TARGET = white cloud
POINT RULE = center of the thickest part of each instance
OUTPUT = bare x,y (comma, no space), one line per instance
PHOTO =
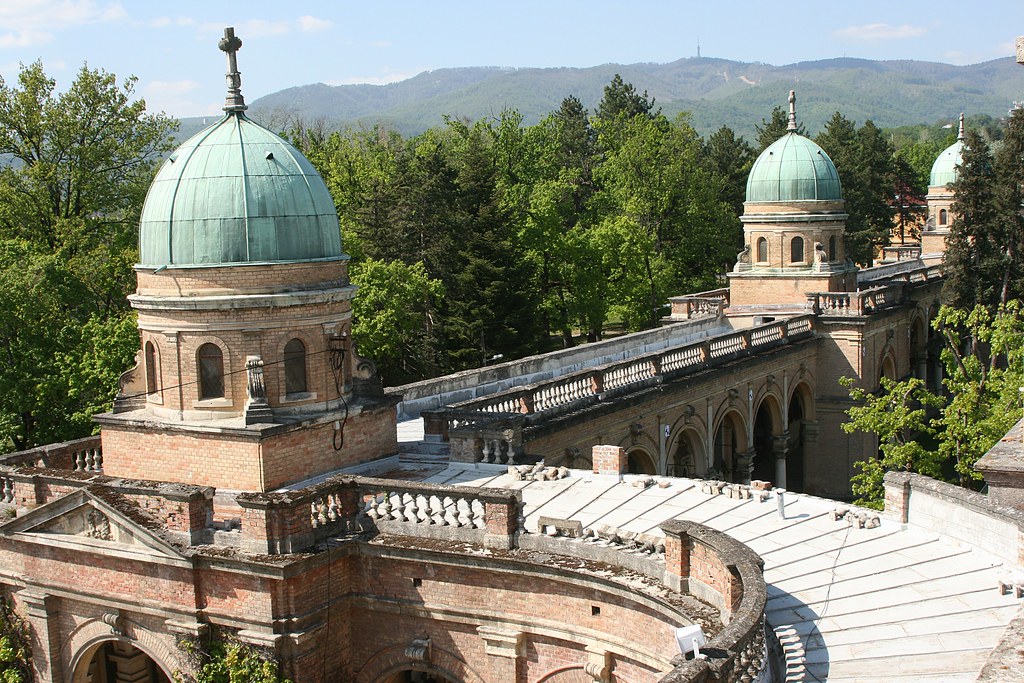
25,38
876,32
32,22
310,24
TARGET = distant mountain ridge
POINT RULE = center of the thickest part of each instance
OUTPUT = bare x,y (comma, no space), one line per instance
714,91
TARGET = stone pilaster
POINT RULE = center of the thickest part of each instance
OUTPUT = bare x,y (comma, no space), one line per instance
41,614
503,647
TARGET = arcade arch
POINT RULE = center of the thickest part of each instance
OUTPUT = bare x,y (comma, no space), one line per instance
118,661
688,455
639,461
730,447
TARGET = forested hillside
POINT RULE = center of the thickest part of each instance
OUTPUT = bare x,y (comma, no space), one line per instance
715,91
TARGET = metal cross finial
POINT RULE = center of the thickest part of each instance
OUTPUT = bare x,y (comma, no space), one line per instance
960,133
230,45
792,110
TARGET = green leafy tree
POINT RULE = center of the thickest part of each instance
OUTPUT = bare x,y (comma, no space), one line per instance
974,258
897,414
393,316
664,228
984,360
70,198
15,647
730,158
984,370
774,127
864,160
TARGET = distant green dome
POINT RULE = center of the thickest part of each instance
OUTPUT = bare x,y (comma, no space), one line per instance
793,169
236,193
944,169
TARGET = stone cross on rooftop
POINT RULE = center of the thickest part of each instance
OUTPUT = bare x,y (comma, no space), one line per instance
230,45
792,110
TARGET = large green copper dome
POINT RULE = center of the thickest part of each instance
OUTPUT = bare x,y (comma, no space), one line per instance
944,169
237,193
793,169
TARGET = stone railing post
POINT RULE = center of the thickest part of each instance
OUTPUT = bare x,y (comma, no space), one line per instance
501,522
435,425
677,555
897,496
609,460
275,525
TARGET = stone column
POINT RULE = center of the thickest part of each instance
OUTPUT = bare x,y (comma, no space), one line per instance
41,614
132,665
780,448
744,466
504,652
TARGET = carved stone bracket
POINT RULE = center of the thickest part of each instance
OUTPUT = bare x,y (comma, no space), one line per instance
419,650
599,666
115,621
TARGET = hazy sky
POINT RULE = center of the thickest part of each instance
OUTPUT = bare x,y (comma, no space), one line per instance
172,46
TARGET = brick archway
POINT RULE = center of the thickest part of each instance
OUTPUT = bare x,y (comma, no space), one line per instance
83,642
567,675
392,660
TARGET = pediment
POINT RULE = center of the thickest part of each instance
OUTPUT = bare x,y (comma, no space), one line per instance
84,519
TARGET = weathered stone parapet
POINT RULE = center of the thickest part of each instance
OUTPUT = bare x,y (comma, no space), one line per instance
719,569
1003,469
923,502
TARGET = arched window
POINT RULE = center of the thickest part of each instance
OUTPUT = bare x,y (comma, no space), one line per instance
294,367
762,250
211,372
796,250
151,369
943,216
832,248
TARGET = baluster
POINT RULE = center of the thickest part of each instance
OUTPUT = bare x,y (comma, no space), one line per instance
8,492
396,507
465,515
409,507
422,509
478,514
332,507
371,508
321,512
385,506
79,459
450,512
488,453
436,511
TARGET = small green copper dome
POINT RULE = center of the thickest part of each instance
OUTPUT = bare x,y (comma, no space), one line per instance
237,193
944,169
793,169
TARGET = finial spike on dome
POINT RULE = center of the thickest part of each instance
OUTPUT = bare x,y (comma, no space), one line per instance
792,111
230,45
960,134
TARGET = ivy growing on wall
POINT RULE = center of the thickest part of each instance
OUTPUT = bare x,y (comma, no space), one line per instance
222,658
15,649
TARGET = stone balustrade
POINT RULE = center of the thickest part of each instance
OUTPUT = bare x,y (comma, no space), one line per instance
701,304
489,430
862,302
278,523
80,455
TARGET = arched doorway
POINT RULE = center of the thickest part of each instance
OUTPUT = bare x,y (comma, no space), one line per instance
798,411
688,459
730,443
118,661
767,426
414,676
639,461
